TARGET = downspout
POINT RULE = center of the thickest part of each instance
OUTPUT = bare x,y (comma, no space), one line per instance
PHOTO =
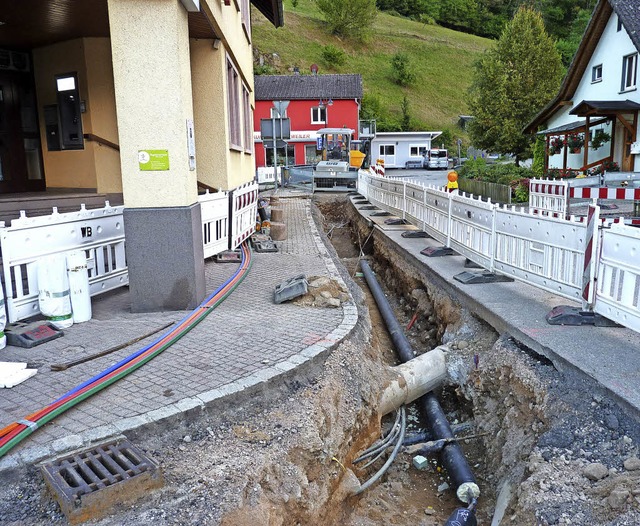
451,455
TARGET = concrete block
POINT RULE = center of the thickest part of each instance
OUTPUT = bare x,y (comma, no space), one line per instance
420,462
291,288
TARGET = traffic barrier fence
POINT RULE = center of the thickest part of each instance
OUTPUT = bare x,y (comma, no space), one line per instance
552,253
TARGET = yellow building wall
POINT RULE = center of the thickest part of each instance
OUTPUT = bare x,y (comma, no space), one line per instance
240,166
101,108
69,168
152,75
210,126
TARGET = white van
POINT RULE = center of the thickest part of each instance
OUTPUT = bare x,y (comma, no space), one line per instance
436,159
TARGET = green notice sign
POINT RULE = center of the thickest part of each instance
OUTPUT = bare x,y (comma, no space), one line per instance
153,160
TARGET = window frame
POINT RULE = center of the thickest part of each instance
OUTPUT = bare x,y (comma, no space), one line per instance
233,103
626,61
320,111
594,70
418,147
245,12
248,119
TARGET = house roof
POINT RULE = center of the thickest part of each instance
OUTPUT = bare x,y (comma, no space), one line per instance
575,125
629,13
602,107
299,87
272,9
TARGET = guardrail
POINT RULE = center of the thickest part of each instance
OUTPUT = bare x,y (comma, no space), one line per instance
99,232
552,253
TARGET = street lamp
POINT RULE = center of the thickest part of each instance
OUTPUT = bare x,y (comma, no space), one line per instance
322,104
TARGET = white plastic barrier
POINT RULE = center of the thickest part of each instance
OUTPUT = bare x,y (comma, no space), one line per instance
214,209
437,214
544,251
244,208
549,196
79,289
414,195
618,285
99,232
471,229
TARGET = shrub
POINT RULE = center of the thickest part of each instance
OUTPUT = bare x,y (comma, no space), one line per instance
401,71
333,55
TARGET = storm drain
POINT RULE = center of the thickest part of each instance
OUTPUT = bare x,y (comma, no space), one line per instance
89,484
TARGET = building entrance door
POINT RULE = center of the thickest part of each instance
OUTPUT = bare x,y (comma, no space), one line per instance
20,158
627,158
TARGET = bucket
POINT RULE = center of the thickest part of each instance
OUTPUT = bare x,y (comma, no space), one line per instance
53,291
356,158
79,286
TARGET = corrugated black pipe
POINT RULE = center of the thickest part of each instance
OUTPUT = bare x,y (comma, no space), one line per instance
451,456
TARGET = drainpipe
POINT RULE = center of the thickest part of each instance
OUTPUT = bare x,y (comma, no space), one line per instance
451,455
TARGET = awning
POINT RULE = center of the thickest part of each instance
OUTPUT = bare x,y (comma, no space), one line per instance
572,126
604,107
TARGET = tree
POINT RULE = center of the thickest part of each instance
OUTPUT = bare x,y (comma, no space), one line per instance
348,19
511,84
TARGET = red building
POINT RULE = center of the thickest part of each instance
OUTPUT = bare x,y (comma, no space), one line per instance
315,102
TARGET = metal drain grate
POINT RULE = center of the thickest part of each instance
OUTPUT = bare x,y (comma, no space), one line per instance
89,483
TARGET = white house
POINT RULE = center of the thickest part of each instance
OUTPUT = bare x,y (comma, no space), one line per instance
598,101
401,149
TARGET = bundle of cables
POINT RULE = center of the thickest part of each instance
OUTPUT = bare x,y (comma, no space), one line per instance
14,433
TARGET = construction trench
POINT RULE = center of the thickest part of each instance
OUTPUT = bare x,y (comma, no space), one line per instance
545,446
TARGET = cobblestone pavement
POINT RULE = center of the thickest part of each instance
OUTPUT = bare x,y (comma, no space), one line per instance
245,341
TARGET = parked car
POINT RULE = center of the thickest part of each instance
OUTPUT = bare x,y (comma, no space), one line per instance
435,159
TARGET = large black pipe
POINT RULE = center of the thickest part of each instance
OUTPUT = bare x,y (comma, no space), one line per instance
451,455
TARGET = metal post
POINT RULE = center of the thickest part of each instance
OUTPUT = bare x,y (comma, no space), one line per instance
275,154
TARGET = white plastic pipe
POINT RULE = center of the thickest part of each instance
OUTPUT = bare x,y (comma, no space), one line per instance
413,379
53,291
3,320
79,286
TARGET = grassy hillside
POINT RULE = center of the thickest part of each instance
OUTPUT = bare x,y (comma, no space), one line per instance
442,60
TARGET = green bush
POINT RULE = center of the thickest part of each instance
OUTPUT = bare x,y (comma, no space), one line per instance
333,55
401,70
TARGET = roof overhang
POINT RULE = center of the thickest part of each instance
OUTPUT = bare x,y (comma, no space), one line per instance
272,10
575,126
29,24
604,107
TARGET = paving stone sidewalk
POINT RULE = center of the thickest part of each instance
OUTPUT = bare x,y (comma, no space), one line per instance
246,341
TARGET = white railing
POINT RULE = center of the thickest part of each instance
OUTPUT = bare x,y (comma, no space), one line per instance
214,209
99,232
244,207
555,254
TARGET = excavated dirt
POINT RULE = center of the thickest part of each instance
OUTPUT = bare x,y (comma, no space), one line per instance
547,447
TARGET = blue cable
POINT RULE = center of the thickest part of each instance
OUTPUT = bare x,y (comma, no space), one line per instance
133,356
